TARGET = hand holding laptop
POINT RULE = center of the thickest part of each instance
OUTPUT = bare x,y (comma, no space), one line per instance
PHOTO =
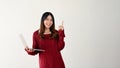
26,47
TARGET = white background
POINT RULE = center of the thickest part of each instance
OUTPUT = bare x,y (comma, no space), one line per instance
92,29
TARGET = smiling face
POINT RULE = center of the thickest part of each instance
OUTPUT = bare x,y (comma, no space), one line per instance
48,22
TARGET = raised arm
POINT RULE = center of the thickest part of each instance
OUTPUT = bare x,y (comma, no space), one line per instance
61,42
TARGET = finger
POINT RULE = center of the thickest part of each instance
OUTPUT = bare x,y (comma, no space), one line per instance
30,50
26,48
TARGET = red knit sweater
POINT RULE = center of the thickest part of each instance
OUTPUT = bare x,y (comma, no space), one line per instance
51,57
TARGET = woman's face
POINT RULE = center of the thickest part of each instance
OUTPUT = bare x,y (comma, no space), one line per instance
48,22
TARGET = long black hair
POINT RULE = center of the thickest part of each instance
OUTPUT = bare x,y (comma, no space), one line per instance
54,33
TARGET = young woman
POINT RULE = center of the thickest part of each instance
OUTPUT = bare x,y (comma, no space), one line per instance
50,40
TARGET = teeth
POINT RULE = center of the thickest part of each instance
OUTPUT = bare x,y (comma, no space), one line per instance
48,25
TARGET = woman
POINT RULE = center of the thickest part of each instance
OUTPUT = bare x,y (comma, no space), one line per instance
49,39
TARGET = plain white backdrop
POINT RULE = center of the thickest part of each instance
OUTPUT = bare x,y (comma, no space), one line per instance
92,29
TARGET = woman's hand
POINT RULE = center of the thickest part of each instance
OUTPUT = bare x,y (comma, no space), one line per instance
29,49
61,27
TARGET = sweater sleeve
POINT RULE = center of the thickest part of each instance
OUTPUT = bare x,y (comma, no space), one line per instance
34,45
61,42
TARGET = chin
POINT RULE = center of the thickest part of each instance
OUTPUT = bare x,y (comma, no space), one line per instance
47,27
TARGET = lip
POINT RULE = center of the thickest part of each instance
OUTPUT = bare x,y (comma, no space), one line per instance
48,24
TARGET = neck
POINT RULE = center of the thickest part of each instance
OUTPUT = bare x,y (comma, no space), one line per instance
47,31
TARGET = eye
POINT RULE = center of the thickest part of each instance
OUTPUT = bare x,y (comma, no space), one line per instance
47,19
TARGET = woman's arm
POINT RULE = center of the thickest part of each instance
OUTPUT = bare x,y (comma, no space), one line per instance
61,42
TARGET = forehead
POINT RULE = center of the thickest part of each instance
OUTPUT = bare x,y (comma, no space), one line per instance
49,16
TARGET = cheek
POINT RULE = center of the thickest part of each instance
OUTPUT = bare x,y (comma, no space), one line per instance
45,23
48,22
51,23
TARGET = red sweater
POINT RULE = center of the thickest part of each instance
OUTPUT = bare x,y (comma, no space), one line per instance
51,57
